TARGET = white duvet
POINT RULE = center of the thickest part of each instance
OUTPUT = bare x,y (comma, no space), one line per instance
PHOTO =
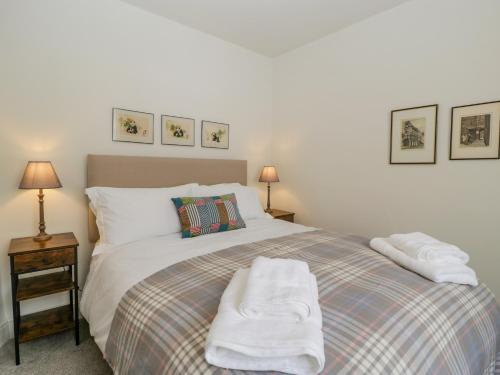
115,269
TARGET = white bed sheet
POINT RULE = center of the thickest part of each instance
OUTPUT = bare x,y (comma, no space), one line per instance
115,269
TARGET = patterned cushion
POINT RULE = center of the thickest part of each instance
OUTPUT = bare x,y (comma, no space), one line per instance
204,215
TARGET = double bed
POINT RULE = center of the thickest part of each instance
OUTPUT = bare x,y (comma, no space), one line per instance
150,303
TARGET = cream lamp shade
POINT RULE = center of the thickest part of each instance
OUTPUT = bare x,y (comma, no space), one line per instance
269,174
40,175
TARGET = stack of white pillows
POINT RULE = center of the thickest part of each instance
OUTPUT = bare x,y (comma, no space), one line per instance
129,214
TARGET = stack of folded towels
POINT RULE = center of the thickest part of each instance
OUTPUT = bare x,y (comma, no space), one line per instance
437,261
269,319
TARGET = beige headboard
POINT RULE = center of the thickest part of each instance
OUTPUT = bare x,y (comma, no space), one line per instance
142,171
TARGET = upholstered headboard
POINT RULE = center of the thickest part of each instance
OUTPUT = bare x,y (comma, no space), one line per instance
142,171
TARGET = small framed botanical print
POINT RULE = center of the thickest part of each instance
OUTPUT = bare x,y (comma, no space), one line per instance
133,126
214,135
413,135
177,130
475,131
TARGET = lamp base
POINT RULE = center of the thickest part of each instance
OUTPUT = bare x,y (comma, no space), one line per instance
268,210
42,237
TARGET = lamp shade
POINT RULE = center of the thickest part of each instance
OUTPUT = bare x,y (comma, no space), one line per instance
269,174
40,175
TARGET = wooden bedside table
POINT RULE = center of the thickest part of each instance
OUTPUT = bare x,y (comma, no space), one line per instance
282,215
27,255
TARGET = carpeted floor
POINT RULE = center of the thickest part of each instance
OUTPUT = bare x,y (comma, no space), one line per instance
55,355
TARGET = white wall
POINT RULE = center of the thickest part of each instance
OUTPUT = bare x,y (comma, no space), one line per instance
332,103
65,64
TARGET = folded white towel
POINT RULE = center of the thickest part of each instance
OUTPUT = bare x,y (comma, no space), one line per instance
424,247
240,343
277,288
440,272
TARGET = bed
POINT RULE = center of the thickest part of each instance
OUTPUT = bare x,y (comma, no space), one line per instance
149,303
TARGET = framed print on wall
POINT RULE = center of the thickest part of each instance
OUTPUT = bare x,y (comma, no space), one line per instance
475,131
133,126
414,135
214,135
177,130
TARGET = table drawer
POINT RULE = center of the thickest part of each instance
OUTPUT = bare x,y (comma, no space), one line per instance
287,218
44,260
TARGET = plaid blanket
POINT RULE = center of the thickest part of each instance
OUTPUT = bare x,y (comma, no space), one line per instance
378,317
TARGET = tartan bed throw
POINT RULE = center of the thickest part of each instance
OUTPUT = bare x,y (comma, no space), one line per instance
378,318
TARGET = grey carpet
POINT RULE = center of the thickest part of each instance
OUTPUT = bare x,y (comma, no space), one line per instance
55,355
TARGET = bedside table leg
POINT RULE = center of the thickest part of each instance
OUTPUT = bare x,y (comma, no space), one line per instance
15,310
71,291
77,312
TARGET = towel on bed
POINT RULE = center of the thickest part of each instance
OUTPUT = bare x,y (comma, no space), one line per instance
237,342
277,288
439,272
424,247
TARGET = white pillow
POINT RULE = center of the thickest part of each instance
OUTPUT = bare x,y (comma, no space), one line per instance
129,214
247,198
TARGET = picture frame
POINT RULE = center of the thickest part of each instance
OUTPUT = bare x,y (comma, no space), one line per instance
214,135
413,138
177,131
475,131
132,126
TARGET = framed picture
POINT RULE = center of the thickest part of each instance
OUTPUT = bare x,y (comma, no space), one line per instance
413,135
214,135
133,126
177,131
475,131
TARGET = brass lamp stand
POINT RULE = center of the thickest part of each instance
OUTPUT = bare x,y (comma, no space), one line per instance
41,236
268,209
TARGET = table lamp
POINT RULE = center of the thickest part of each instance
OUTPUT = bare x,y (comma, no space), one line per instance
40,175
269,175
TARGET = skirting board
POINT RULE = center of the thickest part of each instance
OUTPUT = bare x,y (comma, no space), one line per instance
6,332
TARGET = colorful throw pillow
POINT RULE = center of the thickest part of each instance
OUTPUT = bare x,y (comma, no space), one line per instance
204,215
